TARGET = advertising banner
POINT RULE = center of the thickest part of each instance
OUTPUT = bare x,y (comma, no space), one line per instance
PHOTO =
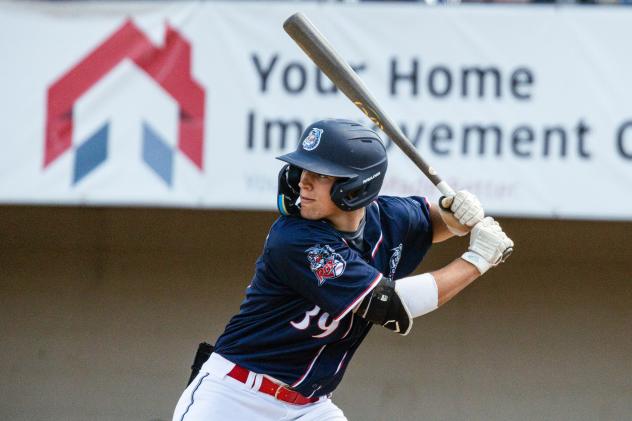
187,104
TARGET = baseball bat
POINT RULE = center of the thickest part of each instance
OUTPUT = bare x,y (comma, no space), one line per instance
316,46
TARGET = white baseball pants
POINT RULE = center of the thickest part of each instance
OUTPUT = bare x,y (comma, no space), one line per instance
214,396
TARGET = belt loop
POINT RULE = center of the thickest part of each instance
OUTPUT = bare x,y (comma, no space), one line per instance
258,379
250,381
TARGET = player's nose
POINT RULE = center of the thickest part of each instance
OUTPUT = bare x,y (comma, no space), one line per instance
305,181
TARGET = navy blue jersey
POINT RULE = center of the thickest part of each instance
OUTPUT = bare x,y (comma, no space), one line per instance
296,323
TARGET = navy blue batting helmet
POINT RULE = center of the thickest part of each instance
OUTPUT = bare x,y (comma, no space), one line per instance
344,149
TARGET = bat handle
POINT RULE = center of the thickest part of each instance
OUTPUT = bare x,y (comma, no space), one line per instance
445,203
448,195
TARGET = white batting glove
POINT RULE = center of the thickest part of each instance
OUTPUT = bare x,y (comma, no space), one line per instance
465,211
489,245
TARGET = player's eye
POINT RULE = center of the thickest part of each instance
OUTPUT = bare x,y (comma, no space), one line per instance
323,176
319,177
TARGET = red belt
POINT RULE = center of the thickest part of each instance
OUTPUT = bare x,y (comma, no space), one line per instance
281,393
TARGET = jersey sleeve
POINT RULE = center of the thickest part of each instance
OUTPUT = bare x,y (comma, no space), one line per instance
410,218
420,225
324,270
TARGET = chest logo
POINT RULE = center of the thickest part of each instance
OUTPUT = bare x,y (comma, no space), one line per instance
325,263
313,139
397,254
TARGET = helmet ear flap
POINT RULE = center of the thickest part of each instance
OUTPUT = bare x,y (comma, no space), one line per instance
293,178
354,193
346,193
288,190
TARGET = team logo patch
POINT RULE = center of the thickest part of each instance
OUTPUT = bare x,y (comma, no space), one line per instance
313,139
325,263
397,254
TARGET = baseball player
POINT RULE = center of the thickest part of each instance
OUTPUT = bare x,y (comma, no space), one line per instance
335,263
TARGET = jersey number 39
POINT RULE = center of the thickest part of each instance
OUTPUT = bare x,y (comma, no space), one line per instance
322,322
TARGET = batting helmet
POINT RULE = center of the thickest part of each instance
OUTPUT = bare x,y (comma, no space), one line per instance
343,149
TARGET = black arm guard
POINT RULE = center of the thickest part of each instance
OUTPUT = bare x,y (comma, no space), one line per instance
288,190
384,307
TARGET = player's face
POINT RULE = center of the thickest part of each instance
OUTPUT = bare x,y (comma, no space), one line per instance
316,200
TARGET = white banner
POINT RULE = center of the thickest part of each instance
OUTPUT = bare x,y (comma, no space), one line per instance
187,104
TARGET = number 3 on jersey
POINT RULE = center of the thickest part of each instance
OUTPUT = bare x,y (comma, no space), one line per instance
322,322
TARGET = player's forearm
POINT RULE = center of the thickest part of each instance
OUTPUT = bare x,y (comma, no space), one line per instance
421,294
440,231
453,278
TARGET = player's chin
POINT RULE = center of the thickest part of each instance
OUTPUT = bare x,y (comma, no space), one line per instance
311,214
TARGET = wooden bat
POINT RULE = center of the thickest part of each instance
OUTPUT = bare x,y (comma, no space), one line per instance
316,46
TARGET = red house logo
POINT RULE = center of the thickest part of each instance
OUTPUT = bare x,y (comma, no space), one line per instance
169,66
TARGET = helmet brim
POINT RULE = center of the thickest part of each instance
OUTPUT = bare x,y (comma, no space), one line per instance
316,165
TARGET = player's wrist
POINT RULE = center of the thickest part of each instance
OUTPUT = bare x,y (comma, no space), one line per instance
489,245
477,260
452,224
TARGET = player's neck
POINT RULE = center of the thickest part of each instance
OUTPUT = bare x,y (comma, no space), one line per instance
347,221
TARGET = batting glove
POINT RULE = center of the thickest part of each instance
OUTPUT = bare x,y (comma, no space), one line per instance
461,212
489,245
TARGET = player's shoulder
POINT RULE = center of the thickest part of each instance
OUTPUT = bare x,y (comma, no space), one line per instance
395,204
293,231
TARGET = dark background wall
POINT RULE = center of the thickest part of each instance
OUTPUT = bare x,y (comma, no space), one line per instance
101,310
